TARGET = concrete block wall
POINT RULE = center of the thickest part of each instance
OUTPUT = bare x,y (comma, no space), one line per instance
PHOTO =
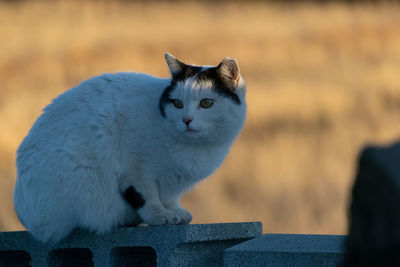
180,245
287,250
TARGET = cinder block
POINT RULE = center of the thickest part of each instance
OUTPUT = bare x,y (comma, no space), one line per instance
287,250
175,245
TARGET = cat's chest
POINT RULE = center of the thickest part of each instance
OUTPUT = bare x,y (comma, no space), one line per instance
196,163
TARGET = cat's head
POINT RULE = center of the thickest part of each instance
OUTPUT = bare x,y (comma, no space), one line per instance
204,103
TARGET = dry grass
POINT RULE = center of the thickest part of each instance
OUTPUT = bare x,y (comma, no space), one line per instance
322,81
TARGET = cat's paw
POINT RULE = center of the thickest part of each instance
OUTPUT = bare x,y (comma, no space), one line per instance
161,217
169,217
184,216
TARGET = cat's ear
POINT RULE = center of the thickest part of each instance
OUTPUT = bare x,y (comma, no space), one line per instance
175,66
228,70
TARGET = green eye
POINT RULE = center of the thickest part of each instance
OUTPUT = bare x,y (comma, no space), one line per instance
177,103
206,103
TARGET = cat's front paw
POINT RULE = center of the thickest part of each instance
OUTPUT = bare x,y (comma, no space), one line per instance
161,217
184,215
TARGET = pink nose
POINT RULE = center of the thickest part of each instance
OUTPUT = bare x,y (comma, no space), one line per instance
187,121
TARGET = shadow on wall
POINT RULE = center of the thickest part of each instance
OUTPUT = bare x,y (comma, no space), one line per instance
374,215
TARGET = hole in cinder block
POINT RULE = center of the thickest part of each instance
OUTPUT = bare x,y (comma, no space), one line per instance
17,258
69,257
133,256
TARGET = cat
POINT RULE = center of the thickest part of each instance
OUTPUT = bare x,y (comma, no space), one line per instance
120,149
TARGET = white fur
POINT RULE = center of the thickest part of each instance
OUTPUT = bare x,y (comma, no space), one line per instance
107,134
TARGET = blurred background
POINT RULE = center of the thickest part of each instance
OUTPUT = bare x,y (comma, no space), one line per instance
323,81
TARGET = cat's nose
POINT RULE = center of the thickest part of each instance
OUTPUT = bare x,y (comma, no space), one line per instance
187,120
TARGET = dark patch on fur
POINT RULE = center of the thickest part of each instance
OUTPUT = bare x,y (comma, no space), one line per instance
134,198
188,72
222,86
165,97
106,78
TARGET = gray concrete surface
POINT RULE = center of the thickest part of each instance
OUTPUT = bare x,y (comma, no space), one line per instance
178,245
287,250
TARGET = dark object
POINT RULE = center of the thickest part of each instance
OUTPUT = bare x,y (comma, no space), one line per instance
374,215
70,257
134,198
133,256
15,258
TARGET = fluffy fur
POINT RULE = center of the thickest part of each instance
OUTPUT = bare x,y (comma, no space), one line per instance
109,134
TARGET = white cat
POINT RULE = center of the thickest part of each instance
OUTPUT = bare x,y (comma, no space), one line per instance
120,149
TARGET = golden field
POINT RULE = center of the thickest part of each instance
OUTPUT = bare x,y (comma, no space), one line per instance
323,81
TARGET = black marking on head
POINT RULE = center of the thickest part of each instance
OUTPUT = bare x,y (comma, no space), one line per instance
165,97
186,73
224,78
134,198
180,70
221,85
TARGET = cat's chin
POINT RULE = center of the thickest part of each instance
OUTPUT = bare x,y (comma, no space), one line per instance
191,131
192,135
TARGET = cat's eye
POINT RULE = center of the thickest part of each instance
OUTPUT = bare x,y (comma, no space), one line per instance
177,103
206,103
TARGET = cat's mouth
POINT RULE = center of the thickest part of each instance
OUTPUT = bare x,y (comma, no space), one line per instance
190,130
